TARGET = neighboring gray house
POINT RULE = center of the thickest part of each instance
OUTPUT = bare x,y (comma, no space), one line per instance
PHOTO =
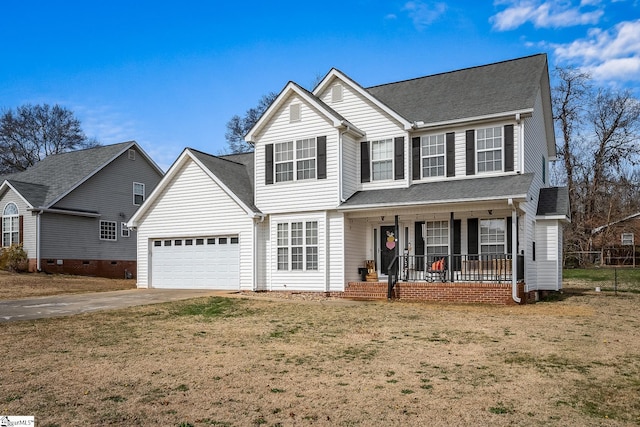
70,210
446,169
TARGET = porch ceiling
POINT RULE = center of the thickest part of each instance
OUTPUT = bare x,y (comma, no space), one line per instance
474,189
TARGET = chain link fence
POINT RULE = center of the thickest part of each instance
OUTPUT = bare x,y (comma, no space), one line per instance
603,279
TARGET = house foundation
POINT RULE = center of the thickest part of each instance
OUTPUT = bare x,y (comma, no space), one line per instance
112,269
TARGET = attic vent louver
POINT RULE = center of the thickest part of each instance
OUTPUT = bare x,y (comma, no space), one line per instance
336,93
294,113
132,154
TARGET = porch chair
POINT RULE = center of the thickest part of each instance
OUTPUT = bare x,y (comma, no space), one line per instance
437,271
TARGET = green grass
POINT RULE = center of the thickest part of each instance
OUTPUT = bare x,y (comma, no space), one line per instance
628,279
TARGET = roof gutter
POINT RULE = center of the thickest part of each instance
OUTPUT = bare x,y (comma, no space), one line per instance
509,114
519,198
65,212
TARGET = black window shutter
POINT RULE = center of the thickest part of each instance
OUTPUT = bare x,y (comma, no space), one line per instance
365,167
419,244
457,243
451,154
508,148
415,158
268,164
509,234
399,157
322,157
471,152
472,236
21,229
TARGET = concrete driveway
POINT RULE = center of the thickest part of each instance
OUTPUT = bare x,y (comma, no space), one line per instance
67,305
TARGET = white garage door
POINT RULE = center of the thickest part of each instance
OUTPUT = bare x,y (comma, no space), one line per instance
196,263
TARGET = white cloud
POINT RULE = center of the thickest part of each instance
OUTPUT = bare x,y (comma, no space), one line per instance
613,54
423,13
104,124
545,14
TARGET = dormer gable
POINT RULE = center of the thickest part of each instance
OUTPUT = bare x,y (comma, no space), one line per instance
293,89
336,79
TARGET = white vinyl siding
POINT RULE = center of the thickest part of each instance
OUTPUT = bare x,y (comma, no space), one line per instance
378,126
304,194
549,255
211,215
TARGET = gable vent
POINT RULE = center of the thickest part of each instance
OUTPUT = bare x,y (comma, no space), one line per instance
336,93
132,154
294,113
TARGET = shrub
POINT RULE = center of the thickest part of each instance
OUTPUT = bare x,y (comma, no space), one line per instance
14,258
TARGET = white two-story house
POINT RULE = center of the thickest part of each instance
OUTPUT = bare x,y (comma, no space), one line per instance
451,167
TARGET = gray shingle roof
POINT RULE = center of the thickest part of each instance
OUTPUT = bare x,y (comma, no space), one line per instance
476,188
234,170
471,92
553,201
47,180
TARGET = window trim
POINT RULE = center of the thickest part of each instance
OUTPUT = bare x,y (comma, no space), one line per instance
424,156
443,225
487,150
296,160
389,159
103,223
13,232
503,243
139,185
297,246
627,239
124,230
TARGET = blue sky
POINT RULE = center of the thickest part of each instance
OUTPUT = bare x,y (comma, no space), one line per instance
171,74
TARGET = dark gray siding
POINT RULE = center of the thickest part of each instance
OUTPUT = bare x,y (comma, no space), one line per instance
109,193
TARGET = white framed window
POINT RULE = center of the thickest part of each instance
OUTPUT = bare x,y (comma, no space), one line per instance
124,230
436,237
283,159
306,158
10,225
299,162
433,152
493,236
108,230
294,113
138,193
283,246
627,239
489,149
300,240
382,159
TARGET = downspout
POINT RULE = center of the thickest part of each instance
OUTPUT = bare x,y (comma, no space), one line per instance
38,263
255,250
514,253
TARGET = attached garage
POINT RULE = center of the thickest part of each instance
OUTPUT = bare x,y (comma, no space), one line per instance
211,262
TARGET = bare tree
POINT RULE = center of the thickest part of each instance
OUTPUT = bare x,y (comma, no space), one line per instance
238,126
34,132
599,151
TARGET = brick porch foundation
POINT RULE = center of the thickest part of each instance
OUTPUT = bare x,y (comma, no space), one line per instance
485,293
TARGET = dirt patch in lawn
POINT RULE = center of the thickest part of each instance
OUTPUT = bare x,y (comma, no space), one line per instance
257,360
28,285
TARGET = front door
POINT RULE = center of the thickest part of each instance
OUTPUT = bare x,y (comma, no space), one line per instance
388,244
